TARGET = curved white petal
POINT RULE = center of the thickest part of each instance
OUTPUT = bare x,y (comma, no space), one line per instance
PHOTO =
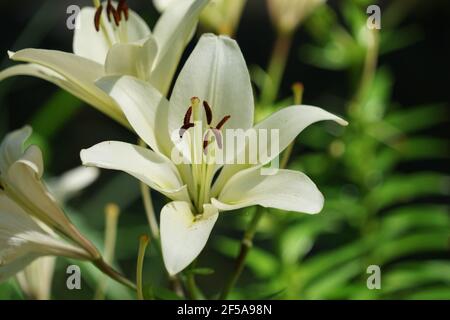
93,45
11,148
286,190
78,73
133,59
173,31
289,123
73,181
183,236
30,69
22,240
146,165
215,72
145,108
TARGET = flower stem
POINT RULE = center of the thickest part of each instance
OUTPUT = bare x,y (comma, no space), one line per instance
112,212
148,205
246,245
143,243
276,68
113,274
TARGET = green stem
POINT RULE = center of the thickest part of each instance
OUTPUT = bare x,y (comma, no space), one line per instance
148,205
277,66
246,245
112,212
143,243
113,274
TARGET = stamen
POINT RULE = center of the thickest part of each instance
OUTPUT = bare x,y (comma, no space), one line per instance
184,128
109,9
116,16
122,7
187,116
222,122
208,112
97,17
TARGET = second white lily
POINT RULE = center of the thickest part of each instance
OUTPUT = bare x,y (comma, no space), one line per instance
122,45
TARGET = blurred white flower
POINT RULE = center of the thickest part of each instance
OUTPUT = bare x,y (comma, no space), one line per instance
216,72
22,240
36,279
287,15
112,40
29,214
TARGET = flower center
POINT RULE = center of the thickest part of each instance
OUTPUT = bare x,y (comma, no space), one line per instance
116,17
205,139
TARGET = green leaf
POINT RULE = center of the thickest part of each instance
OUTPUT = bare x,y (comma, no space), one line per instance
262,263
404,188
200,271
417,118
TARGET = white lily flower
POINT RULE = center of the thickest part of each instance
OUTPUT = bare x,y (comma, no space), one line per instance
21,180
112,40
36,279
216,73
288,14
23,239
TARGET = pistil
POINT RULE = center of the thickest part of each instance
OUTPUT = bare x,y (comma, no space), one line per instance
202,151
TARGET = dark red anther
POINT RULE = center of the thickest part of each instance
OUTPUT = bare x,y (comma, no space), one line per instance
187,116
109,9
116,16
184,128
122,7
222,122
98,15
208,112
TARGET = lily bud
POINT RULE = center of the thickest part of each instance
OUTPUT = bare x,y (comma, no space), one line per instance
29,213
287,15
24,239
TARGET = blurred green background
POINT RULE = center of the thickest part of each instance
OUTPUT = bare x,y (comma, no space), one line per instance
384,177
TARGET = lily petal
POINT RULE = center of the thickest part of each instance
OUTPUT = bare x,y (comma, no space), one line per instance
286,190
215,72
290,122
144,107
78,75
11,149
72,182
146,165
133,59
22,240
173,31
183,236
93,45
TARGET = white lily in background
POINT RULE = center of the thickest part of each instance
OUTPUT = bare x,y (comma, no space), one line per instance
112,40
221,16
22,240
29,214
287,15
36,279
217,74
